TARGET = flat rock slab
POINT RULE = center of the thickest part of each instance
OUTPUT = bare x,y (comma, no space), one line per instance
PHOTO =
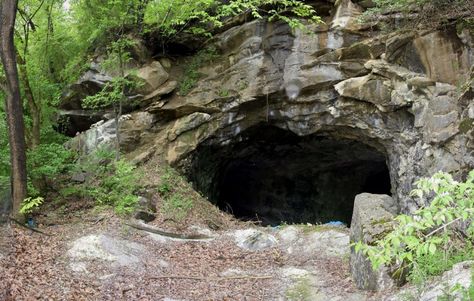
254,240
320,240
106,248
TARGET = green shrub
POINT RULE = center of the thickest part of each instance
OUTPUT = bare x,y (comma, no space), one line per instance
427,241
49,160
108,182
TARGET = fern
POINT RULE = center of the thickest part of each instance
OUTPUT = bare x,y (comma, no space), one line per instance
30,204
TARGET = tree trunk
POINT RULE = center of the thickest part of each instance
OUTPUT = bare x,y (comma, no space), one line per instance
33,107
14,109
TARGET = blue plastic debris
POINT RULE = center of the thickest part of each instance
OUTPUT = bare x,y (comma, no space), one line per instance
336,223
31,222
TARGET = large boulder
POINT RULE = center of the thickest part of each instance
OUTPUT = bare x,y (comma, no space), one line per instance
103,134
151,77
371,219
73,117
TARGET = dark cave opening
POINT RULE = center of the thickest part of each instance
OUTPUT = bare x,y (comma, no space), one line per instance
275,176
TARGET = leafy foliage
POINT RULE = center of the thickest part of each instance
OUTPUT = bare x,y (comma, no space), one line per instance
435,264
108,182
174,16
439,229
48,161
111,94
30,204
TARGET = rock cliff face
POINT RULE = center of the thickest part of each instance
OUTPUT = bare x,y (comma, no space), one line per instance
405,96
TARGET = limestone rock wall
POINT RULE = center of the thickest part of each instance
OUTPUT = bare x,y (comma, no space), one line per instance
404,93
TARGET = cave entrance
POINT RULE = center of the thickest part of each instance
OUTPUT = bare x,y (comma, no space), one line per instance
275,176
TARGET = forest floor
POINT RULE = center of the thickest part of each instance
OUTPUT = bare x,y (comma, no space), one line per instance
96,256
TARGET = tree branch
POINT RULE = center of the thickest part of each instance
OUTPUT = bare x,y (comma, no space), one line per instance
443,226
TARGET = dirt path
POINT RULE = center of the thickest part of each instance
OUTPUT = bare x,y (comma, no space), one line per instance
111,261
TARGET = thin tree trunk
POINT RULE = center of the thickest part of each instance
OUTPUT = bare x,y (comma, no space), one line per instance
14,109
117,132
118,110
33,107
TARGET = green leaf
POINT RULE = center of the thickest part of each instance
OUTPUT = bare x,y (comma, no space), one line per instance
432,248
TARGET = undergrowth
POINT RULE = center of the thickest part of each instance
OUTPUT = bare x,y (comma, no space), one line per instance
435,237
430,265
108,182
177,202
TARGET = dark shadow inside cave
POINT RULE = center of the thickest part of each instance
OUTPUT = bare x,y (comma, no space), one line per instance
275,176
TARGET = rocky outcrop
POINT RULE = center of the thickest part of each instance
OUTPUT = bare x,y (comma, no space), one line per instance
103,134
151,80
395,92
151,77
338,82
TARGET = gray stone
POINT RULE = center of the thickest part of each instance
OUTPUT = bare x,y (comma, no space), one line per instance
102,247
145,210
421,82
151,76
79,177
103,134
368,88
307,240
165,89
371,219
187,123
254,240
460,274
